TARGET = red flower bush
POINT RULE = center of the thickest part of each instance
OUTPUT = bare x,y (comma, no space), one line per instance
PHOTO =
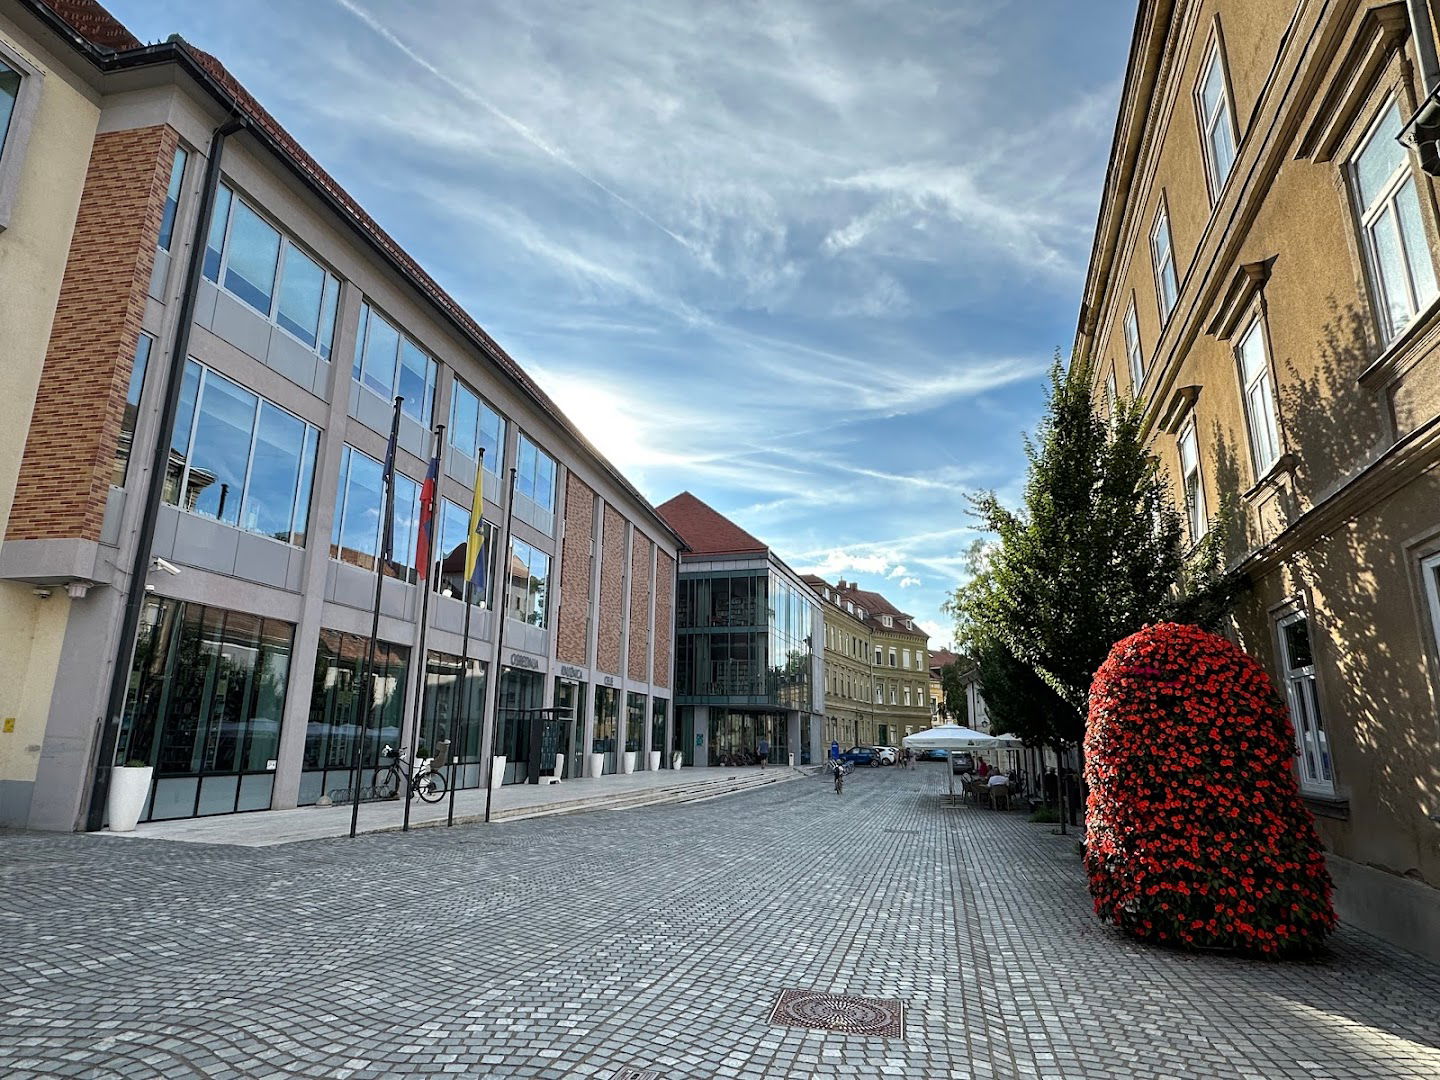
1195,834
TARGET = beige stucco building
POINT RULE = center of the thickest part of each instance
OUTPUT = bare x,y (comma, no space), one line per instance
876,667
1264,280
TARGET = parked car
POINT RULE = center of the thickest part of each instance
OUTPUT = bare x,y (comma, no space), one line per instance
862,755
962,762
888,754
932,755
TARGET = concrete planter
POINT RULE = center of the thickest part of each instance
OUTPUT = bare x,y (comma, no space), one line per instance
129,787
597,764
654,764
497,772
627,763
559,766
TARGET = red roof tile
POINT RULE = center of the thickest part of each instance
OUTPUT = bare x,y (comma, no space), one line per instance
706,531
96,25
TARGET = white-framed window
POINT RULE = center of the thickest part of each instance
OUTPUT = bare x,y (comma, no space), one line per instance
474,425
893,695
1387,200
257,264
1133,355
1191,481
1162,259
885,620
1217,119
172,198
905,658
879,695
535,474
238,458
20,85
907,695
892,657
1112,395
879,656
1258,386
390,364
1297,669
123,446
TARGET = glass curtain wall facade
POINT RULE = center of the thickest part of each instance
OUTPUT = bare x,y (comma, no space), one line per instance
735,736
607,725
454,709
342,711
521,692
206,700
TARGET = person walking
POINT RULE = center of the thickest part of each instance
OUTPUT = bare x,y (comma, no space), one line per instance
763,750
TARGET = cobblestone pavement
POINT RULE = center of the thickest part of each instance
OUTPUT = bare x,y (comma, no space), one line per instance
657,938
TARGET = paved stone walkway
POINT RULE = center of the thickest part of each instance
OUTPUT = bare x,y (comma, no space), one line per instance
658,938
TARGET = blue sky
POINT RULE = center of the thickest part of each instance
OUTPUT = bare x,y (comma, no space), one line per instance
808,259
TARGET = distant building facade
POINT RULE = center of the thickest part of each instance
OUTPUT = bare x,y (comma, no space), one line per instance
1264,281
748,660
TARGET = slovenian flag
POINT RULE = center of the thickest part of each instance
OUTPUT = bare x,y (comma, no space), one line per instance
475,540
425,542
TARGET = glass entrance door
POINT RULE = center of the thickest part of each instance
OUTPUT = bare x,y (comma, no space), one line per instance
570,695
521,692
607,726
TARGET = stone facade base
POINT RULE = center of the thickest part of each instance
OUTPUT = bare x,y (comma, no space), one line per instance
1402,912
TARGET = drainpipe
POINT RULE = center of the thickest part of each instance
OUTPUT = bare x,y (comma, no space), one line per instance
159,460
1426,121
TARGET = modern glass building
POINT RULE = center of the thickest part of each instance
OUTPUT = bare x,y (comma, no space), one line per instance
286,322
748,659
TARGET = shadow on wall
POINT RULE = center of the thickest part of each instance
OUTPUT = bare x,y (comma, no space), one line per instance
1368,613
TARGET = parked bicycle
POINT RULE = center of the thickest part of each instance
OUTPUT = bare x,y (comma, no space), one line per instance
424,779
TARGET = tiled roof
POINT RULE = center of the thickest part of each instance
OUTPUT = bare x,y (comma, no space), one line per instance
705,530
872,602
941,657
91,21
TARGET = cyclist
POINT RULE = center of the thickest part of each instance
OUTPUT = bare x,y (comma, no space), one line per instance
838,768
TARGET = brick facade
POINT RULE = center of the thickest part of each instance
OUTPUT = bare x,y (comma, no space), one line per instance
65,473
640,548
572,629
612,593
664,630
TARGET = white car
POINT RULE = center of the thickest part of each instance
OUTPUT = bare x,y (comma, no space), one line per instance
889,755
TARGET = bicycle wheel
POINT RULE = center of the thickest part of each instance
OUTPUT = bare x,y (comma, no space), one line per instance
430,786
385,782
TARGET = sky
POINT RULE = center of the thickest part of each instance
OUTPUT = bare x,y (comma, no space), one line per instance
807,259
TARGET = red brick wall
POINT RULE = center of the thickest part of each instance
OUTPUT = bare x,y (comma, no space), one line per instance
639,606
612,593
664,624
65,473
575,571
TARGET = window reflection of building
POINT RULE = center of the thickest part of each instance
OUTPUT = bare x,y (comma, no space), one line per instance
735,736
634,722
453,709
206,703
529,570
339,708
454,530
607,723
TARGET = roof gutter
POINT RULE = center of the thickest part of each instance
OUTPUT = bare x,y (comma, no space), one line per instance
175,52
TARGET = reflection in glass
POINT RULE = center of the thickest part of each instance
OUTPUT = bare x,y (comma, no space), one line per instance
454,528
391,365
172,195
535,474
253,248
222,444
454,710
474,426
607,723
529,583
206,697
360,494
215,238
634,722
302,290
9,94
521,692
658,708
340,707
125,443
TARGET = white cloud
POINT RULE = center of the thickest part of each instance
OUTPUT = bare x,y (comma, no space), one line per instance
909,581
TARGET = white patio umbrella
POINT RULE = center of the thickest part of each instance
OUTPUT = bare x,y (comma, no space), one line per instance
950,737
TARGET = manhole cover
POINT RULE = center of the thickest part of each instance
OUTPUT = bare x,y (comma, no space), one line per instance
880,1017
630,1072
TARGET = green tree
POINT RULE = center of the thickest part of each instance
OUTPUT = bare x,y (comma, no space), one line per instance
1094,553
952,690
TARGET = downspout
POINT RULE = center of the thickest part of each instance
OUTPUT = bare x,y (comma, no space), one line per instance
1426,121
159,461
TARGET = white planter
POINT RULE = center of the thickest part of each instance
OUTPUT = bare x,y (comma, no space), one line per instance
128,790
497,772
677,760
597,764
654,765
627,763
792,761
559,766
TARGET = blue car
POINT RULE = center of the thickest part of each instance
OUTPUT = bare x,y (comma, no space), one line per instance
932,755
862,755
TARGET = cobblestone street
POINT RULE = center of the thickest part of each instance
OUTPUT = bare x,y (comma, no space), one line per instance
657,938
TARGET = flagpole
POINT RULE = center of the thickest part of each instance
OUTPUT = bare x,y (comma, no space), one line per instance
427,582
387,509
465,638
500,633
